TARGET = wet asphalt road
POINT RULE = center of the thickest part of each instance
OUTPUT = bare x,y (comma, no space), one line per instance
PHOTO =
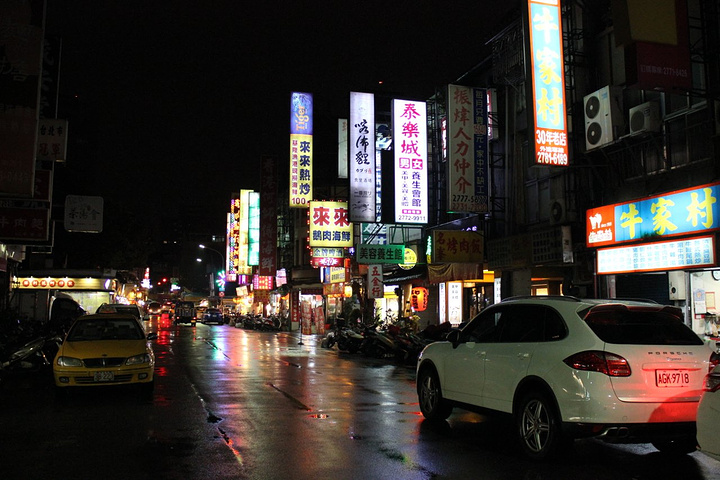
237,404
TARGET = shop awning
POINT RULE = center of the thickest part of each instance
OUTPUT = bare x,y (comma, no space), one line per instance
399,276
448,272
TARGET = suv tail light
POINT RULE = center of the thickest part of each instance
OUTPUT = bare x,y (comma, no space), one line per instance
596,361
712,382
714,361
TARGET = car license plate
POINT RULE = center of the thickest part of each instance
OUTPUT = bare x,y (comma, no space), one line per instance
104,376
672,378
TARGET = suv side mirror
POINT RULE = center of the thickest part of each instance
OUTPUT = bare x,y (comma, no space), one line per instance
454,337
151,336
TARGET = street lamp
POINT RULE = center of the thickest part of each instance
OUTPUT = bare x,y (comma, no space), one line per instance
222,257
222,266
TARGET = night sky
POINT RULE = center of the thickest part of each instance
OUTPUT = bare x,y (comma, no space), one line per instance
172,103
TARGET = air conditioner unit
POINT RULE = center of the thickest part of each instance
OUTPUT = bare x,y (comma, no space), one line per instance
676,285
602,116
558,212
645,118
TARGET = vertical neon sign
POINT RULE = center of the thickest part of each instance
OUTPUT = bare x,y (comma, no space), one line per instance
410,137
547,70
301,149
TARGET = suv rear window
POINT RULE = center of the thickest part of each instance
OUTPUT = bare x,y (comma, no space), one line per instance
628,325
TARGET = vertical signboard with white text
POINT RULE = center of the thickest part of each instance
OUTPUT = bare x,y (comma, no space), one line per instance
410,159
467,125
547,75
361,139
301,149
343,148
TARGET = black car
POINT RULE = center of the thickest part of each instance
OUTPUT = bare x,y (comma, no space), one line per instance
213,315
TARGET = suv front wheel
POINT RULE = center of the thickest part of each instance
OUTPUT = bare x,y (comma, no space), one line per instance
432,404
538,426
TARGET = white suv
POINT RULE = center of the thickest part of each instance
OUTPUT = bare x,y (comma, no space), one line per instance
565,368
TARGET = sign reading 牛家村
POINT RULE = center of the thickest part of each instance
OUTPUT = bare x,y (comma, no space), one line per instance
330,225
389,254
467,149
681,212
547,71
361,140
410,149
301,149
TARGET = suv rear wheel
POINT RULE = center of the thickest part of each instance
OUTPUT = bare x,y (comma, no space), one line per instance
432,404
538,426
680,446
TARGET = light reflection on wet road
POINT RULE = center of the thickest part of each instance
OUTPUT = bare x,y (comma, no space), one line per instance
299,411
231,403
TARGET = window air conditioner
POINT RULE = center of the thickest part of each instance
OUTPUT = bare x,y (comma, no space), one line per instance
645,118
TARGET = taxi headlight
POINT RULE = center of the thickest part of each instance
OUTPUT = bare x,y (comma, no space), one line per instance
69,362
138,359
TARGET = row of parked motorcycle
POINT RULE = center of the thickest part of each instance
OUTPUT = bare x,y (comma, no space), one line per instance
28,346
383,340
270,323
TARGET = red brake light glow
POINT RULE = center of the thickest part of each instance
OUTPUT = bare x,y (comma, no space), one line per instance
596,361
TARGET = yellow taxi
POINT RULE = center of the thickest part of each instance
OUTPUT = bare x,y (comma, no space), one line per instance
105,349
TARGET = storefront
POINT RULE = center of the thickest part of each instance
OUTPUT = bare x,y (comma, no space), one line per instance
307,310
459,300
663,248
36,293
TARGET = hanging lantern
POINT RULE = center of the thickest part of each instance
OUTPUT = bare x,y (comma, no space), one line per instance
419,298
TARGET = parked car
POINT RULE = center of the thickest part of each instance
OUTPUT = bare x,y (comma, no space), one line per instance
708,416
132,309
213,315
565,368
105,349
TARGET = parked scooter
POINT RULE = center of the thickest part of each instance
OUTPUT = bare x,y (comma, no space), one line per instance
379,344
348,340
